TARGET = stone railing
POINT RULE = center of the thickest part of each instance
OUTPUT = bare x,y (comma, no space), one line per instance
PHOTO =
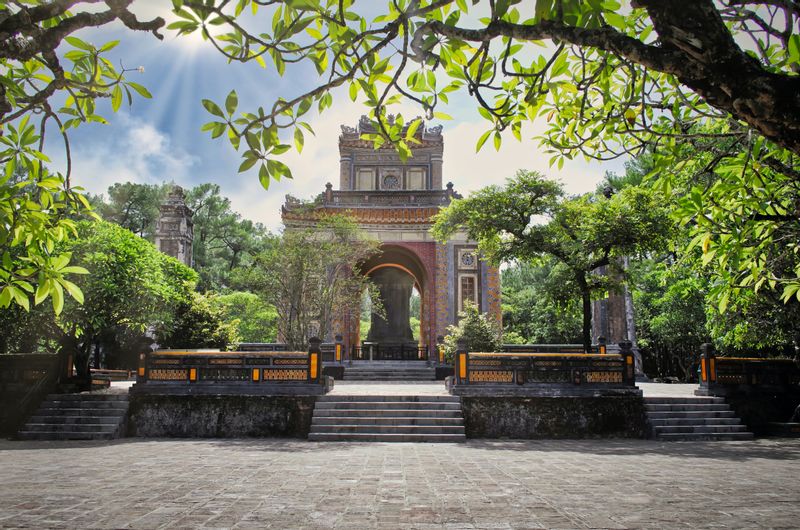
557,370
205,370
726,374
552,348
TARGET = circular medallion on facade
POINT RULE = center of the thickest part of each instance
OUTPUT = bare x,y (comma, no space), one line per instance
467,259
391,182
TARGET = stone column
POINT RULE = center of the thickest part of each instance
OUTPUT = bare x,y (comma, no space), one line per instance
436,171
345,166
395,287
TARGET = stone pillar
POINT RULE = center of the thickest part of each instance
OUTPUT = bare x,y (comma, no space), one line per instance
395,287
345,166
175,229
436,171
613,319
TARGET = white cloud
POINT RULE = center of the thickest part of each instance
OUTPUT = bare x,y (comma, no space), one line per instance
131,150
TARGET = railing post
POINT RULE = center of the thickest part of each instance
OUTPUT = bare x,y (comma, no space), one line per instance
708,365
314,356
141,373
629,373
338,348
461,362
440,348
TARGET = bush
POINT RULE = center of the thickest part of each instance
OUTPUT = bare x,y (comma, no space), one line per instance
480,333
198,324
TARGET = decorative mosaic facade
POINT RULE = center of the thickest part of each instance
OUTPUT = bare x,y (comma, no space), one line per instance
394,201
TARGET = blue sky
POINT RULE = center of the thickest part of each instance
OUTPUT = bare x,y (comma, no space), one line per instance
160,139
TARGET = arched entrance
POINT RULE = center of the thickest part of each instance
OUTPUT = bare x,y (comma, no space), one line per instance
397,272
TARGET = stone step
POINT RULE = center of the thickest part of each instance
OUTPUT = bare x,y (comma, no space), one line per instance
706,429
669,421
686,400
388,418
686,437
58,435
77,417
385,420
71,427
47,411
386,413
388,405
388,429
88,404
87,397
686,407
691,414
389,379
382,398
68,420
357,437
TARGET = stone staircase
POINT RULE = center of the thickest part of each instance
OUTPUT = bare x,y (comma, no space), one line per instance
389,371
387,419
694,418
78,417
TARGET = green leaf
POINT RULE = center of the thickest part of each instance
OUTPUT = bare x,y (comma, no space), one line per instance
140,89
78,43
108,46
57,294
482,140
263,176
231,102
299,139
212,108
116,98
73,290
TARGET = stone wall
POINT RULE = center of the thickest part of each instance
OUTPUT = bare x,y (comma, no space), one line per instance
220,416
554,417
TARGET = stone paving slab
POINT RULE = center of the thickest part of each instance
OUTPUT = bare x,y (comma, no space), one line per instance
481,484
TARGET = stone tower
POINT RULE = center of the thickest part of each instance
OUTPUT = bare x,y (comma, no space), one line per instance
175,229
394,200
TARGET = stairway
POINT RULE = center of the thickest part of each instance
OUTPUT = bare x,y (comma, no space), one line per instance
387,419
78,417
694,418
389,371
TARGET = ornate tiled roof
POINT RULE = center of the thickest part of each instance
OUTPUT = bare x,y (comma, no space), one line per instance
351,136
396,215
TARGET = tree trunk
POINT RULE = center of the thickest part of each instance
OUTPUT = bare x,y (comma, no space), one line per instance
586,298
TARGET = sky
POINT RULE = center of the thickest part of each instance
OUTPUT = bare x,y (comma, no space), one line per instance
160,139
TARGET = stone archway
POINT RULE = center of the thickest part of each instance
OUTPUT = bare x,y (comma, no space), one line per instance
396,271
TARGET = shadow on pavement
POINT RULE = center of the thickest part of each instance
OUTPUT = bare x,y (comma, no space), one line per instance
767,449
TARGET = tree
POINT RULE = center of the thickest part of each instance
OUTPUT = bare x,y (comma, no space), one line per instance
254,319
131,286
198,323
540,303
307,274
222,239
479,333
133,206
48,76
529,219
610,80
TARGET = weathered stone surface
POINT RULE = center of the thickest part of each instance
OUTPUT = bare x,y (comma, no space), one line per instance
548,417
139,483
220,416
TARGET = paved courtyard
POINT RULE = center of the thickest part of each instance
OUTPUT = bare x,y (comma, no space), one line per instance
138,483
